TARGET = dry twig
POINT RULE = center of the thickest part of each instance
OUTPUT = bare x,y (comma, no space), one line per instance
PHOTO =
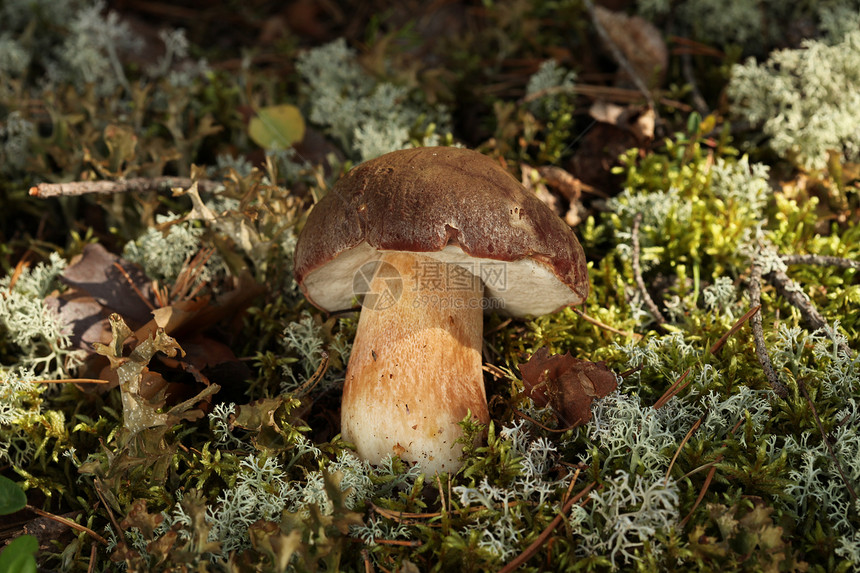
68,523
718,345
687,69
619,57
542,538
821,260
672,391
136,184
698,100
708,479
758,334
681,446
791,292
604,326
637,274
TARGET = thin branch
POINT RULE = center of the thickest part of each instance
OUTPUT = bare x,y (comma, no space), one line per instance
315,378
542,538
495,371
72,381
718,345
136,184
681,447
821,260
689,75
399,542
603,325
637,274
525,416
758,334
791,292
609,93
708,479
673,390
132,284
92,566
368,564
619,58
68,523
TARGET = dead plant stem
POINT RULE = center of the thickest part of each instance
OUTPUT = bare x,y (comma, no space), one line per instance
637,274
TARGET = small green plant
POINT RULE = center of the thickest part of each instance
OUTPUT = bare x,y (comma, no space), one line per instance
18,555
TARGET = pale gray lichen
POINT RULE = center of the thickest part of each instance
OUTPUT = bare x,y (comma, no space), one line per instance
743,186
82,43
627,429
175,64
305,339
546,85
16,134
164,254
14,58
806,100
755,24
365,116
720,296
221,426
90,53
838,20
500,531
35,329
628,514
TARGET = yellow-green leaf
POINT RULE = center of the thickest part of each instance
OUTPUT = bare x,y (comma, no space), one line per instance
277,127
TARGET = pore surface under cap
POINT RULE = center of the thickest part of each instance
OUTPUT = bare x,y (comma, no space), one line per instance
426,199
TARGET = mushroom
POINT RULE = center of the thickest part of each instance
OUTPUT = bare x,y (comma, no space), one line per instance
431,237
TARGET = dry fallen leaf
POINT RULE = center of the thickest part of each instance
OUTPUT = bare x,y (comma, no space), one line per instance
640,122
639,41
102,283
113,282
531,180
567,384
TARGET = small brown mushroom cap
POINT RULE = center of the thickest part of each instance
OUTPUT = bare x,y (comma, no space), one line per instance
455,205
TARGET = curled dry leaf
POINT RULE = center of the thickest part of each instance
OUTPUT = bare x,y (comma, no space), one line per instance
531,180
113,282
640,122
567,384
562,181
639,41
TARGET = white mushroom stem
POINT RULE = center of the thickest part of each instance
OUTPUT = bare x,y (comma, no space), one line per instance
415,369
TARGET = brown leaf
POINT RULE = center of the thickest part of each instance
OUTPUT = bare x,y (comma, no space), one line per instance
87,317
113,282
640,122
640,42
562,181
190,317
256,415
567,384
140,518
531,180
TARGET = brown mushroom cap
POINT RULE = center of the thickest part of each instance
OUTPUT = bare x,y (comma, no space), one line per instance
455,205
